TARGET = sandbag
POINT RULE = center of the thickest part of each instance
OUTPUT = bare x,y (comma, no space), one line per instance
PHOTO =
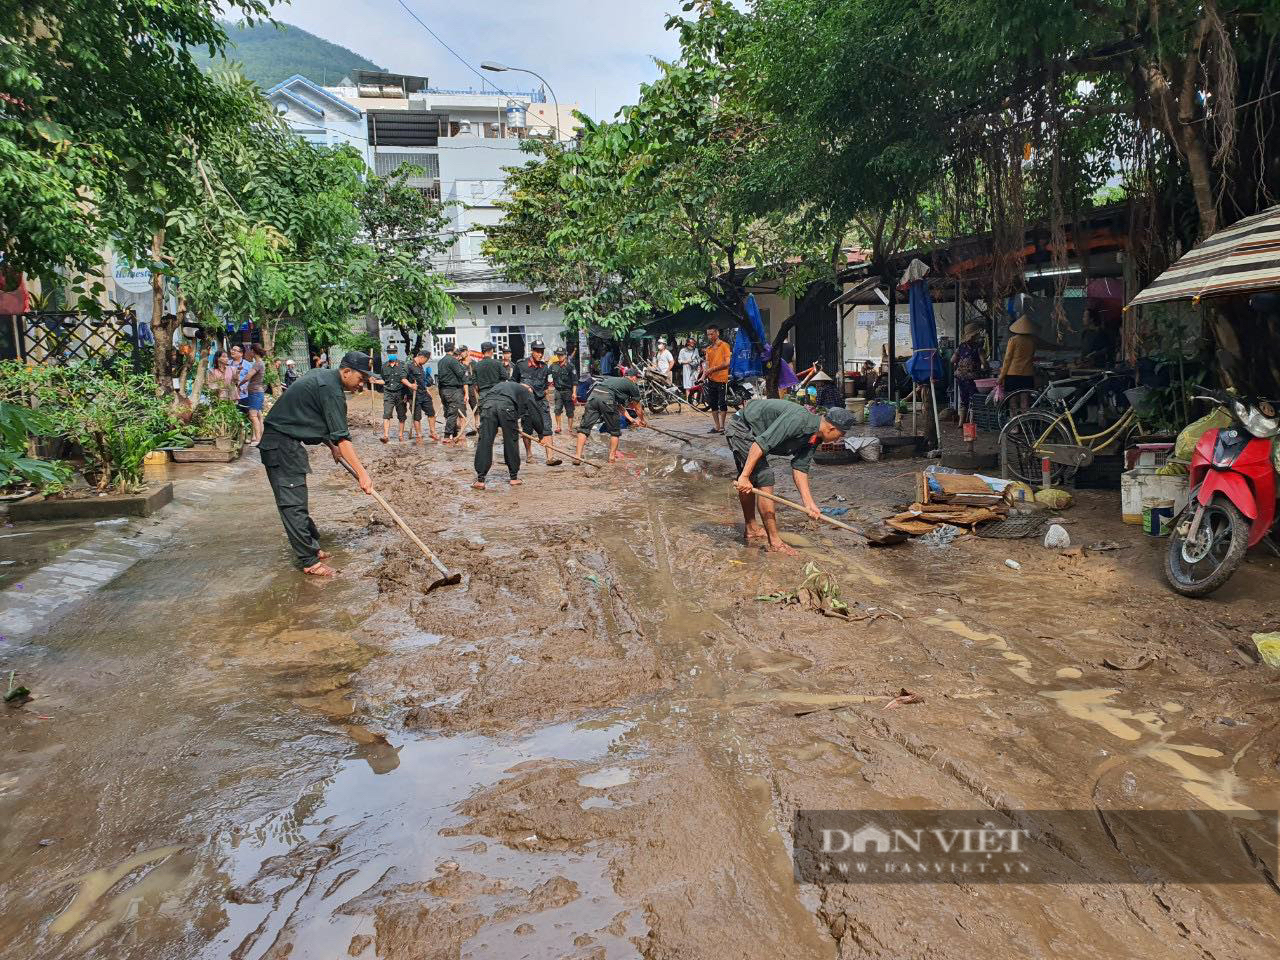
1053,498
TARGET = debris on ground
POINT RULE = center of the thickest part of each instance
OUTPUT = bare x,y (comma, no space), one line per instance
942,536
1141,663
16,695
1013,564
922,518
835,511
1103,546
1057,537
904,696
1268,645
946,485
819,591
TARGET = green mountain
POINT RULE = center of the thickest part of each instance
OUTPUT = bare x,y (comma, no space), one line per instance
270,53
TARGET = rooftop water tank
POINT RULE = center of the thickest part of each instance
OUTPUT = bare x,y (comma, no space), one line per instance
515,115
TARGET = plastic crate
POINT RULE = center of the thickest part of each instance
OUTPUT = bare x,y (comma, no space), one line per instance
988,417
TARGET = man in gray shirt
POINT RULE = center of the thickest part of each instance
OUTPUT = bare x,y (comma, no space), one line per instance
765,427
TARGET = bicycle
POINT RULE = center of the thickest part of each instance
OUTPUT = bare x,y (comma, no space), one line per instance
1030,437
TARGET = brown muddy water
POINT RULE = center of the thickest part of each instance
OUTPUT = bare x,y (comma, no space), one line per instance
594,747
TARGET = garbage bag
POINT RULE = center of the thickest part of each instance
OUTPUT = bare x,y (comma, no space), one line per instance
1185,445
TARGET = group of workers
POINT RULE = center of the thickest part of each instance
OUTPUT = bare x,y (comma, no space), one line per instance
314,411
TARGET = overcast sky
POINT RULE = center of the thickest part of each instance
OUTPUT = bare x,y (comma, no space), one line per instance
594,52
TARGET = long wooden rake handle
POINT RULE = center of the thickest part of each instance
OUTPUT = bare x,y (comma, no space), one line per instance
563,453
805,510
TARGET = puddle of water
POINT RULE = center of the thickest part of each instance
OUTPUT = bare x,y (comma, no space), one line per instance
604,778
1217,789
1017,664
1093,706
760,661
387,831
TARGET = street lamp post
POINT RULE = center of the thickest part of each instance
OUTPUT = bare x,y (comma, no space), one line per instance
503,68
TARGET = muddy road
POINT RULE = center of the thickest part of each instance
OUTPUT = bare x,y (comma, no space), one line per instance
595,746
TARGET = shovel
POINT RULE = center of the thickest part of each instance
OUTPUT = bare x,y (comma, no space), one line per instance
667,433
563,453
877,538
446,578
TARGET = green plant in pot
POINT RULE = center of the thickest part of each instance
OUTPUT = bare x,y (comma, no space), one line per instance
222,422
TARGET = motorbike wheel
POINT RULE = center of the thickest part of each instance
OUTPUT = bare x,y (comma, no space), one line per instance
656,402
1197,569
699,404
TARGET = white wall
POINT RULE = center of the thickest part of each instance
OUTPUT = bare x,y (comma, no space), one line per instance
866,330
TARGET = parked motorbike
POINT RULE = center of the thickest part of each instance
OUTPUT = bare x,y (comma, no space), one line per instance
1233,498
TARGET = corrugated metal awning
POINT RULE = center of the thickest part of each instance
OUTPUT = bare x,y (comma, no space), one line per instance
1243,258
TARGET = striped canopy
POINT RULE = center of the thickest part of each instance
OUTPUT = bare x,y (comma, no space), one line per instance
1244,258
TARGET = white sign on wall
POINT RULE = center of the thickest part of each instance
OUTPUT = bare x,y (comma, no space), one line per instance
130,278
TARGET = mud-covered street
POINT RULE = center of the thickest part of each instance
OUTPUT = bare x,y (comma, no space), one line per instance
595,745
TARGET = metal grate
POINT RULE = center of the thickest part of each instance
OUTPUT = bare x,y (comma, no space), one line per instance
385,164
1015,527
60,337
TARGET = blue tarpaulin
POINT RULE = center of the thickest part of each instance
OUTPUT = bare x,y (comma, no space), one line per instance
924,364
746,360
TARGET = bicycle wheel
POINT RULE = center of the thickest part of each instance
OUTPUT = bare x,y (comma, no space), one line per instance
1020,437
1008,411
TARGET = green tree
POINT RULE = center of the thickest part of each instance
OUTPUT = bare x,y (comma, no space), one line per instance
401,229
90,90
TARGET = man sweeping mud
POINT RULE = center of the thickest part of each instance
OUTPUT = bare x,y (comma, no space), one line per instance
610,400
765,427
504,405
313,410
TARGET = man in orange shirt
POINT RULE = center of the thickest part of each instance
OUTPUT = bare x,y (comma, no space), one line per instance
717,384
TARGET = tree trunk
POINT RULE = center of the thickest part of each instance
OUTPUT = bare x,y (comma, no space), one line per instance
159,328
202,371
269,347
1200,170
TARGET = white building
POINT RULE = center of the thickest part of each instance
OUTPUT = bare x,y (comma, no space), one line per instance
462,140
318,116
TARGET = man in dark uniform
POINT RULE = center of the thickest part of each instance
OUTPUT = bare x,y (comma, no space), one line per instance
397,392
564,379
611,398
504,405
765,427
452,380
535,373
420,374
487,371
313,410
508,367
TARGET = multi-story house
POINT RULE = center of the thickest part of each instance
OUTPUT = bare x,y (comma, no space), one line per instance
463,141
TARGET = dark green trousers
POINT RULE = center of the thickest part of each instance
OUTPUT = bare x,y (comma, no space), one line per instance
287,466
495,414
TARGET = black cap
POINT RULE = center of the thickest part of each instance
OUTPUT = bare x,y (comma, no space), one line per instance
538,345
486,347
357,361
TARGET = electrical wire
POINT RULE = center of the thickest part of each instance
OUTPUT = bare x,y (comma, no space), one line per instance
461,59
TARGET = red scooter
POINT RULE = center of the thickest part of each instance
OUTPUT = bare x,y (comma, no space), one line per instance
1233,498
